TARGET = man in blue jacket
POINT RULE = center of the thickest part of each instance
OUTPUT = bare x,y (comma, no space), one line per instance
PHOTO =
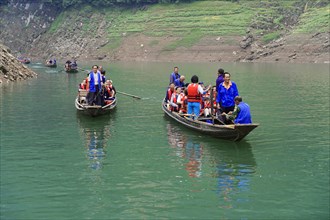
241,113
95,86
227,92
175,75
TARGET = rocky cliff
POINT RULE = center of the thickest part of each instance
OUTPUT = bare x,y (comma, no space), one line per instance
11,69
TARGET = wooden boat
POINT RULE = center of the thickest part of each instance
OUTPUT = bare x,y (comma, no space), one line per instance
24,60
92,110
233,132
51,63
71,67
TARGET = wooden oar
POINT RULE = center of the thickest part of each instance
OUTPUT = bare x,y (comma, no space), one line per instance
124,93
83,69
211,100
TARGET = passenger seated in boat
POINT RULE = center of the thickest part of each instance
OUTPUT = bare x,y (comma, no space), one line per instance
68,64
74,64
180,82
174,99
83,85
182,101
241,113
87,82
169,93
206,110
102,71
109,92
113,87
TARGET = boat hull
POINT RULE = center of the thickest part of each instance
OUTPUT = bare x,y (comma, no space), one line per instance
95,110
51,66
71,70
234,132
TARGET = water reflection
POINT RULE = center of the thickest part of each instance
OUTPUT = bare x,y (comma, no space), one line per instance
96,132
187,149
232,164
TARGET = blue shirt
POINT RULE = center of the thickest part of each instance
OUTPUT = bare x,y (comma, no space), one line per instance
178,83
244,115
225,96
92,87
174,76
218,81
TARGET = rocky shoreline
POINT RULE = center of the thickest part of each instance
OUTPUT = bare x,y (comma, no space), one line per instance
302,48
11,69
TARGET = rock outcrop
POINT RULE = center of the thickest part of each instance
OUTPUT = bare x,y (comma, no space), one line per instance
11,69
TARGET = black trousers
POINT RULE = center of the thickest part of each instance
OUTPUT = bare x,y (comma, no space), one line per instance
226,109
94,97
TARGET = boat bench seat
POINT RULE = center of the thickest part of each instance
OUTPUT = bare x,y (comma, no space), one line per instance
82,95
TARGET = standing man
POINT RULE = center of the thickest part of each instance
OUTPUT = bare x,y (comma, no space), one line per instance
102,71
175,75
220,78
95,86
195,92
227,92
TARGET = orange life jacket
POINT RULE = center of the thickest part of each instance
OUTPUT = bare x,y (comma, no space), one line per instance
193,94
175,99
183,106
109,90
207,105
169,94
87,84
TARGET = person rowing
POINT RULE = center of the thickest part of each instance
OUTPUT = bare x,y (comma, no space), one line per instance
95,86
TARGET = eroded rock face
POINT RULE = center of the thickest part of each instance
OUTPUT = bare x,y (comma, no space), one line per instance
11,69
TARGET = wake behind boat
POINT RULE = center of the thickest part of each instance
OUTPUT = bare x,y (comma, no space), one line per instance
211,126
93,110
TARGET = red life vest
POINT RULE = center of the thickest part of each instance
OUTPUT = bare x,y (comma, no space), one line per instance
183,107
169,94
87,84
175,98
207,105
193,94
109,90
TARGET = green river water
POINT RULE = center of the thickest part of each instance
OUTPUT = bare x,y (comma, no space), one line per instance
136,163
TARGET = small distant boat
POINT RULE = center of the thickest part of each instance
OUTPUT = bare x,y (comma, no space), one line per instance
92,110
71,67
51,63
24,60
233,132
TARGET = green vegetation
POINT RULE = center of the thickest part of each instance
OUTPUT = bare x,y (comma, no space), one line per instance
271,36
189,22
314,20
187,41
57,23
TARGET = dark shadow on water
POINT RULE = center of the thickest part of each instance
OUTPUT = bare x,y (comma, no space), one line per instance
96,132
232,163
